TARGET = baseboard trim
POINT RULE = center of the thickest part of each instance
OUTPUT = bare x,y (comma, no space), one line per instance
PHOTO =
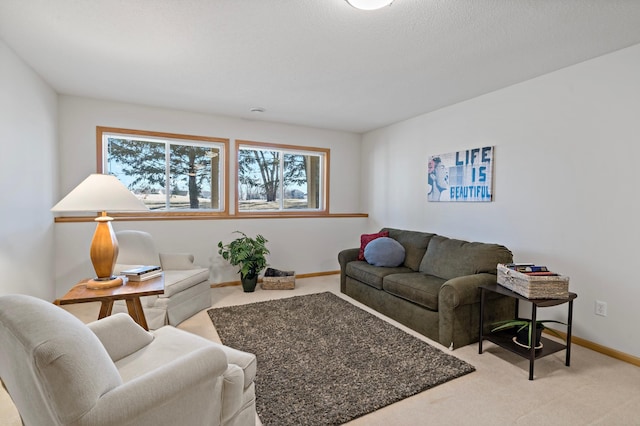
225,284
310,275
613,353
317,274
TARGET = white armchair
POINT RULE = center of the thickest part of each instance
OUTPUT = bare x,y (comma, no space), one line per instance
59,371
186,286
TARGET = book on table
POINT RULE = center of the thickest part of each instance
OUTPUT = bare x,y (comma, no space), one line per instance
541,274
142,273
530,269
144,277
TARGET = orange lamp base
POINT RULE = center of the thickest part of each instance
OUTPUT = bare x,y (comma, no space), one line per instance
104,252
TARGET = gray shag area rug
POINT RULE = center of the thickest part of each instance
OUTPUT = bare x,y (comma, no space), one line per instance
324,361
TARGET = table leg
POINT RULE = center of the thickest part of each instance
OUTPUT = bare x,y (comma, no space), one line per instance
481,320
135,311
569,319
532,350
105,309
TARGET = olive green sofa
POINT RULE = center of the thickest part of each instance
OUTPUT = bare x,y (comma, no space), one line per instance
436,290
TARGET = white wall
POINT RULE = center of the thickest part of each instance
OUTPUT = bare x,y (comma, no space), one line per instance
303,245
565,182
28,136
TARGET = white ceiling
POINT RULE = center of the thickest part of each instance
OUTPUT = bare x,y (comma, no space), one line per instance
318,63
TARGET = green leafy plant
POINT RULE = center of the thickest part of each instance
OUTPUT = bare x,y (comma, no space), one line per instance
525,324
247,253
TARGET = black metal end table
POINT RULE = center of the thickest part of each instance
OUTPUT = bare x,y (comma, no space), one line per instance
504,339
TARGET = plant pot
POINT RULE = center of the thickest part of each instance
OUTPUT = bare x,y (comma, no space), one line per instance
522,336
249,283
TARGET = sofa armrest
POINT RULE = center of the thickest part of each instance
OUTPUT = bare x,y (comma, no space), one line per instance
347,255
245,361
463,290
232,386
120,335
167,394
458,308
344,257
176,261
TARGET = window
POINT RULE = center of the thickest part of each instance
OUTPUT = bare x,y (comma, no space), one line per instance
281,178
168,172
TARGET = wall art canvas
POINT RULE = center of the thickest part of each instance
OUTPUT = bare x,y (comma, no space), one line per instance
461,176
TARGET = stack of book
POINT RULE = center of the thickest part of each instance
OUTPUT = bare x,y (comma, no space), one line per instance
142,273
531,269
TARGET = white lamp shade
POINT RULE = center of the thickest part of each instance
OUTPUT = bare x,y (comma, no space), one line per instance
100,193
369,4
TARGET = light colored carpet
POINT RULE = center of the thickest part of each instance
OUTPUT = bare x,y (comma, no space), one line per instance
595,390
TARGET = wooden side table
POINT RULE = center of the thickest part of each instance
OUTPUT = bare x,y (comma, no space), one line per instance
504,339
130,292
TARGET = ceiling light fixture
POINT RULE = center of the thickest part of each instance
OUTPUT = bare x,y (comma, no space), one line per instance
369,4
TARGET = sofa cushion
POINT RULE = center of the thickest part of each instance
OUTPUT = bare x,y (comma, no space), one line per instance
449,258
385,252
366,239
415,287
176,281
371,275
414,243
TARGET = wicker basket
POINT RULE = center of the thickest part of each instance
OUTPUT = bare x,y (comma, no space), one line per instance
275,279
533,286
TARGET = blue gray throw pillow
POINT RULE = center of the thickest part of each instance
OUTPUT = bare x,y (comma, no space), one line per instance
384,251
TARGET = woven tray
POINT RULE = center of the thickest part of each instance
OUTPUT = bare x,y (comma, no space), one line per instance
533,286
278,280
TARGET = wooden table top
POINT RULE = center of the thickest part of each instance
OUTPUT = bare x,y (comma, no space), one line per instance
128,290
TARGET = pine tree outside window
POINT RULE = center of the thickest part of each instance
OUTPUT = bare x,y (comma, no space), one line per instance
168,172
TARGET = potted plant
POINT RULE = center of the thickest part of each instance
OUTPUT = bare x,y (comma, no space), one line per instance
524,330
248,253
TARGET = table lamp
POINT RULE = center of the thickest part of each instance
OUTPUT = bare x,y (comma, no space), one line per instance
102,193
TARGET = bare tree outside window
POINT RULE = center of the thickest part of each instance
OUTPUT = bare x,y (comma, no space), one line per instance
272,179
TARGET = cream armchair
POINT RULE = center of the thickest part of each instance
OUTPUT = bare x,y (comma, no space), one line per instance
59,371
186,286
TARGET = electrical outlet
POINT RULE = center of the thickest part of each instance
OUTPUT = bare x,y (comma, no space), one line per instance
601,308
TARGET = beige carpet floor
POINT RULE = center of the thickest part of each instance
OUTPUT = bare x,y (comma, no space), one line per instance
595,390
